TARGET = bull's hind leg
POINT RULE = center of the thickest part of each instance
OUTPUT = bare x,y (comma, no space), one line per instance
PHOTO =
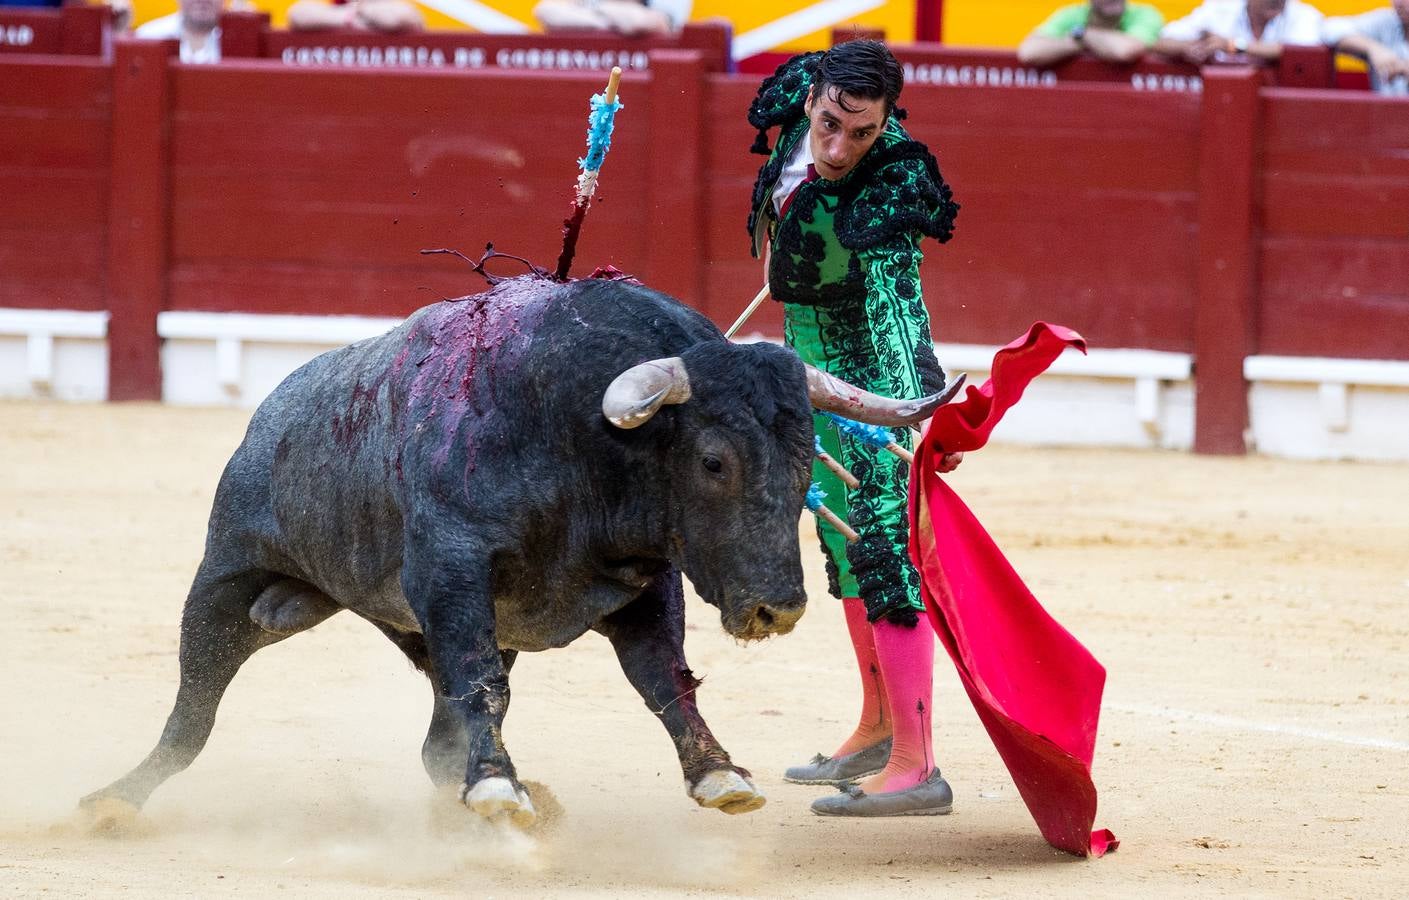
217,635
649,638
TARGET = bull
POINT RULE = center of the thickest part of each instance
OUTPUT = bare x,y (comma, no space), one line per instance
500,474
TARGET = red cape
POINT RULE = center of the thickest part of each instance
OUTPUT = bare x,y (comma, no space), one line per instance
1037,690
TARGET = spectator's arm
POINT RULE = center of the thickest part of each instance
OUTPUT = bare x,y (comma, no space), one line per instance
1376,55
122,14
633,19
1189,38
1114,46
389,16
315,15
676,11
1267,51
570,15
371,15
1198,50
1047,50
1174,48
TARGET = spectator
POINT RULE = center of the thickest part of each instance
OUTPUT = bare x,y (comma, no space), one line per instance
122,9
1219,30
1377,37
1112,30
390,16
122,14
633,18
196,23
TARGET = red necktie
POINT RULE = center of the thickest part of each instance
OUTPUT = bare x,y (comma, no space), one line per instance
811,176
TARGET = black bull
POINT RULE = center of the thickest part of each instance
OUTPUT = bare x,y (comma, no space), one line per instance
504,473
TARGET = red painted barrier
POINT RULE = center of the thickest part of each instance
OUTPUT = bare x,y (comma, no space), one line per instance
926,63
933,63
1334,245
249,35
70,30
1219,222
1225,314
55,131
309,190
137,217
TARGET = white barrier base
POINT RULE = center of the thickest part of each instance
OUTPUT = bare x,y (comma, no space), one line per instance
236,359
1299,408
1107,398
1307,408
54,353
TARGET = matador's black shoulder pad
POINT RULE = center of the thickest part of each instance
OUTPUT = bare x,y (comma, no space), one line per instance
899,190
781,97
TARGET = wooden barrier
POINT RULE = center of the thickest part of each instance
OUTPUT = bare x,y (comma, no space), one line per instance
1303,67
249,35
1224,318
56,121
1234,220
70,30
1333,245
933,63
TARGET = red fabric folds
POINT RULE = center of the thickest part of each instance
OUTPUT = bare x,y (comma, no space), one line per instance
1037,690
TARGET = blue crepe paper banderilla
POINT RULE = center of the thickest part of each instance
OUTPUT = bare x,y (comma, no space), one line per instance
873,435
599,131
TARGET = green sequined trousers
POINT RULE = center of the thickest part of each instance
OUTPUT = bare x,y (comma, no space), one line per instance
871,343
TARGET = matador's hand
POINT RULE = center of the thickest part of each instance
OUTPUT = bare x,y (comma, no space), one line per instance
949,462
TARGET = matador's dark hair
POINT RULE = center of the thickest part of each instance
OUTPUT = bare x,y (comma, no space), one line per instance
862,68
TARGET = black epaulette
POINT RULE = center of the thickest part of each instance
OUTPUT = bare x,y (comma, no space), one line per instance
899,190
781,97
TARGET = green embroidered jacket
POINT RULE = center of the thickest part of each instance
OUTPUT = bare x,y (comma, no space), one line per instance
845,262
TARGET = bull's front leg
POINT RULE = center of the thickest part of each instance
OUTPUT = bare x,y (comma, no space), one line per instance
453,603
649,638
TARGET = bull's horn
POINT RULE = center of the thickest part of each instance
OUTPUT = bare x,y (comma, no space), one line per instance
831,394
637,393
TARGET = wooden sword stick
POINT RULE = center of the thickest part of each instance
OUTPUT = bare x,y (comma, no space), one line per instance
748,311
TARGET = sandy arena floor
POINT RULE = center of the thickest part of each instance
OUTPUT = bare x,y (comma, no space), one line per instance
1253,616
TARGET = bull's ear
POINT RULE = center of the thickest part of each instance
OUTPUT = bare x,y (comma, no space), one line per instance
636,394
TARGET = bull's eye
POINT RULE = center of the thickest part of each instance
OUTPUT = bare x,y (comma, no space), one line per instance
712,464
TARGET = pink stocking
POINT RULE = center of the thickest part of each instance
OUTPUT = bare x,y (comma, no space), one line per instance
874,725
906,656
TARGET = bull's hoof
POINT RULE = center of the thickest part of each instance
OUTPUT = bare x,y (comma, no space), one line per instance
499,798
727,791
109,816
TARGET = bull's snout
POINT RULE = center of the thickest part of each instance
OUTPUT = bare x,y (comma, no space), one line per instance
778,619
765,619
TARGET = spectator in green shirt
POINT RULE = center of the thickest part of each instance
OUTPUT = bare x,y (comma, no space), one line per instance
1113,30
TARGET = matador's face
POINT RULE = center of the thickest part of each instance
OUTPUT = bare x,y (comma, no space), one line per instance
841,129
